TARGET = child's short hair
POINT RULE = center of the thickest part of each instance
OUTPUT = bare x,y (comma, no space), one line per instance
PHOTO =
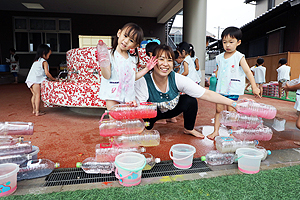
184,46
12,50
176,54
282,61
260,61
150,47
232,32
42,50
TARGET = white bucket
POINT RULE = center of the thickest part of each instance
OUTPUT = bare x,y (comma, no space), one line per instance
129,168
8,178
182,155
249,160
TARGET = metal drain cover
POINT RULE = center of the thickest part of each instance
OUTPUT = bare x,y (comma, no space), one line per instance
70,176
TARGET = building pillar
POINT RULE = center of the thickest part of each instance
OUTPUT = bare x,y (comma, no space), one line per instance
194,29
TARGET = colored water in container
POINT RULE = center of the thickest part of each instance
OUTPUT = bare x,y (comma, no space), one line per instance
249,160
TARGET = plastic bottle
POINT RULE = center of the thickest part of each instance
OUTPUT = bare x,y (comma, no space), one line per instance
17,159
261,133
16,128
150,161
102,54
9,140
19,148
36,168
129,111
106,152
214,157
91,166
250,107
147,138
264,151
239,120
111,127
213,82
230,144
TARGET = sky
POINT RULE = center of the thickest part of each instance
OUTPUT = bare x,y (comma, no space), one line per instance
224,13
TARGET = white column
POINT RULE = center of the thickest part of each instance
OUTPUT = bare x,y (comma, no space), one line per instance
194,29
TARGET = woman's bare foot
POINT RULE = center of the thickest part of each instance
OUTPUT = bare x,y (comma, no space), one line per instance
194,133
212,136
297,143
161,121
173,120
39,113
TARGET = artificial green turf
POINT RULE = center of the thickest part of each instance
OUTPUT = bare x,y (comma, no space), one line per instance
280,183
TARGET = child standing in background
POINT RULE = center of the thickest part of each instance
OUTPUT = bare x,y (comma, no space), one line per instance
232,67
260,74
187,67
196,61
38,73
118,68
150,47
288,87
14,64
284,73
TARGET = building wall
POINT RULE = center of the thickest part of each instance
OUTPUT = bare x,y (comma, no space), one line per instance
262,6
82,24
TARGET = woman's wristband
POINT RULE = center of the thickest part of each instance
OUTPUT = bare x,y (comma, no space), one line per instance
234,104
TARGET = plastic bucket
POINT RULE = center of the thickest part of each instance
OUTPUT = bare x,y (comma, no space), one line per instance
8,178
182,155
129,168
249,160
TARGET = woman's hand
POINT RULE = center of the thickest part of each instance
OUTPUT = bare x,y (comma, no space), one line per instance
151,63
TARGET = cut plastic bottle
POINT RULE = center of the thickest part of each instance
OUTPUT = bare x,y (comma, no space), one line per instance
150,161
129,111
214,157
261,133
230,144
239,120
36,168
250,107
9,140
18,148
110,127
147,138
91,166
17,159
102,54
107,152
16,128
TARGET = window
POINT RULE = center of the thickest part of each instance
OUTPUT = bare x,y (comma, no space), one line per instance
271,4
29,33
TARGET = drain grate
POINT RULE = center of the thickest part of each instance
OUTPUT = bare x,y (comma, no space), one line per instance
70,176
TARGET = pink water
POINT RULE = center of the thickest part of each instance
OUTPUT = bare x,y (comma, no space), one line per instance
119,131
260,137
133,114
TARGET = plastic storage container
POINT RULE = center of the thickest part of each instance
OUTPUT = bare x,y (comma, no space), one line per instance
19,148
16,128
216,158
239,120
147,138
106,152
112,127
231,144
182,155
261,133
8,178
250,107
36,168
91,166
128,111
249,160
129,168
